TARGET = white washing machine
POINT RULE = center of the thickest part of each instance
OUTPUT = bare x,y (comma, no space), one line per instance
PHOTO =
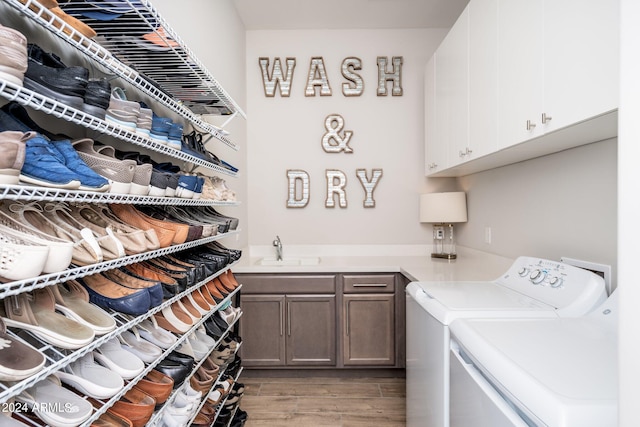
530,288
558,372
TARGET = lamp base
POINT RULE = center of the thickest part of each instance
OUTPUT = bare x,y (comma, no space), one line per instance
444,256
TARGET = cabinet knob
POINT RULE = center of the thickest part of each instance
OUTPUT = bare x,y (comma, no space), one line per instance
530,125
546,118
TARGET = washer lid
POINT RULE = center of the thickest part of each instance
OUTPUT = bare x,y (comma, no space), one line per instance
447,301
563,370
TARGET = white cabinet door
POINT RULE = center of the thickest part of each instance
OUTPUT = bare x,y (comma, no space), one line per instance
520,79
435,155
483,77
452,89
580,60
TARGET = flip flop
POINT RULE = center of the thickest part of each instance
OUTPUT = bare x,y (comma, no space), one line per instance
72,299
56,405
17,360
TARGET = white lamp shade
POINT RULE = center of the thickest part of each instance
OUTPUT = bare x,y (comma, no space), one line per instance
443,207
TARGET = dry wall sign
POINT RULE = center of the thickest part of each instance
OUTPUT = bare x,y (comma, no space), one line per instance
337,137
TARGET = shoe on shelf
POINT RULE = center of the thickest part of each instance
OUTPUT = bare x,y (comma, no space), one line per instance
13,146
141,175
72,300
135,405
90,378
13,55
119,172
42,166
20,257
108,294
132,342
121,111
113,356
97,97
84,251
35,312
157,385
145,122
152,332
17,359
54,404
47,75
89,180
153,288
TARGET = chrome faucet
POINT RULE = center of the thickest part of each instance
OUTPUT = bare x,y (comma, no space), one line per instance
278,244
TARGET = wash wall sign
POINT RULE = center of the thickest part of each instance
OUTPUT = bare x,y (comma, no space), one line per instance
336,139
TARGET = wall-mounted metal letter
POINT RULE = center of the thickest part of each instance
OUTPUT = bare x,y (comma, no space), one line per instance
369,186
334,187
298,194
356,85
395,76
276,79
317,77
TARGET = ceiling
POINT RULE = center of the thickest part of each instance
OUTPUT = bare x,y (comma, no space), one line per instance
348,14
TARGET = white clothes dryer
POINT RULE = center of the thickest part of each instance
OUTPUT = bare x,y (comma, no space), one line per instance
530,288
558,372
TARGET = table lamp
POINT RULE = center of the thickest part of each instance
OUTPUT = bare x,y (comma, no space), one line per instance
442,210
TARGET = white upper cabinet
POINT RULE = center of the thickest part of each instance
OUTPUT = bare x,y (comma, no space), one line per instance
581,58
435,152
520,70
483,77
452,89
535,76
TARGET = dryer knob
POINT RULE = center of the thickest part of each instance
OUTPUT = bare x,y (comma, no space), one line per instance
555,282
537,276
523,271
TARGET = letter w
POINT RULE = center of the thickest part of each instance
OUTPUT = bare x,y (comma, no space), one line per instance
276,79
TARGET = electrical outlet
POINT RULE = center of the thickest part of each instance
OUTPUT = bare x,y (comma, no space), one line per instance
487,235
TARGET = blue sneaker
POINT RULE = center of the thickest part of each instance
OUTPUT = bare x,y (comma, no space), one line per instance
187,185
199,187
159,129
89,180
42,166
175,136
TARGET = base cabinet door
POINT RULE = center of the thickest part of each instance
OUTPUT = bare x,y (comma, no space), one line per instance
262,328
311,330
369,329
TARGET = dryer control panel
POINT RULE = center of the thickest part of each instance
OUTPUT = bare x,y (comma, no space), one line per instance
568,288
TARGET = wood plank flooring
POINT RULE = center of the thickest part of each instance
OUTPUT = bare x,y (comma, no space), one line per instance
315,402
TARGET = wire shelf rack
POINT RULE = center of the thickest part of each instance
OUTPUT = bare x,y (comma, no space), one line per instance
57,359
189,92
27,285
57,109
42,194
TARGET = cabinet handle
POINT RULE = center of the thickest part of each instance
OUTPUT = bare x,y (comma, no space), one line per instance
281,319
346,315
530,125
369,285
461,154
288,318
546,118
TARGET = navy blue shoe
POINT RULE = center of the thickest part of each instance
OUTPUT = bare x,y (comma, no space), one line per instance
110,295
187,185
43,166
89,180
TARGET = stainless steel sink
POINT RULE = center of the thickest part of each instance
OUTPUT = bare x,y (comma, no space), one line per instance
289,261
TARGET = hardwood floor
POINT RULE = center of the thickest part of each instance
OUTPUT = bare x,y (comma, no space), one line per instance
314,402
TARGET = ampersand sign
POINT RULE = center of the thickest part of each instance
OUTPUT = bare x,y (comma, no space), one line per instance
334,123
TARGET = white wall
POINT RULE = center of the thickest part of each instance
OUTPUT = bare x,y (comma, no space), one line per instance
286,133
558,205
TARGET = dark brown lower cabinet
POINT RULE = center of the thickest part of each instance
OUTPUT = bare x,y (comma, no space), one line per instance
369,334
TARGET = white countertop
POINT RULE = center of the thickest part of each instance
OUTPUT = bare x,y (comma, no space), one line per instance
471,264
